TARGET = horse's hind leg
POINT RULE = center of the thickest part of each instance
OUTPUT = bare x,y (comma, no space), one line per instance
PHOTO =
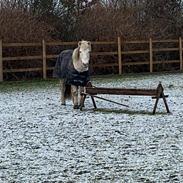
62,89
74,91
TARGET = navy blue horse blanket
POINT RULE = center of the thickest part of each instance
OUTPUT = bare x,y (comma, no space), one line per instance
64,69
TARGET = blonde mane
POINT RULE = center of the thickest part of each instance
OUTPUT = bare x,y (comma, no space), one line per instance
75,55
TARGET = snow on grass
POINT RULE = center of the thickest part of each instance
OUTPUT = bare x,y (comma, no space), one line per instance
42,141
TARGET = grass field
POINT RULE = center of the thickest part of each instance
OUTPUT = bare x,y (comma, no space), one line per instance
42,141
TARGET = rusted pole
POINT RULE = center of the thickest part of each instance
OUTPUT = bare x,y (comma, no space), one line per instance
44,58
119,56
109,100
180,53
1,61
150,56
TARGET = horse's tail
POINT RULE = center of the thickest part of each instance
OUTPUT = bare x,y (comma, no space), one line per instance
67,93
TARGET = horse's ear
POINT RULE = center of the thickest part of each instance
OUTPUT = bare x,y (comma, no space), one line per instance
89,43
79,43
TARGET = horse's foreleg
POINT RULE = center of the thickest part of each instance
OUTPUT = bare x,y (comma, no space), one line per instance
62,89
74,91
80,99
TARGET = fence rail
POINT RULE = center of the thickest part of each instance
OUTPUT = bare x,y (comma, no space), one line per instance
119,53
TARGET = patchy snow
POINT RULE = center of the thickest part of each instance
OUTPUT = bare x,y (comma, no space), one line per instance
42,141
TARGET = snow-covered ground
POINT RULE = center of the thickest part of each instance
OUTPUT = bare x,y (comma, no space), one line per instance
42,141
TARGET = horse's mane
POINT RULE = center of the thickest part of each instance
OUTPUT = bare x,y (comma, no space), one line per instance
75,55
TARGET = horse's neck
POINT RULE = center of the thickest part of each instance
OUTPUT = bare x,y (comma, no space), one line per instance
78,65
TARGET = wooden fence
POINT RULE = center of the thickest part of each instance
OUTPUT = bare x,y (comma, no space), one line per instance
119,54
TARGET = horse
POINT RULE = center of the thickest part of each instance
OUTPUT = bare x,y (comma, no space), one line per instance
72,69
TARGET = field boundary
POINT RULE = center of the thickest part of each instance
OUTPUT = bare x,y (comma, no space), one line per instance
119,53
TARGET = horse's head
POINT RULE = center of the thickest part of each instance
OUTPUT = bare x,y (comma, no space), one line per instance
84,48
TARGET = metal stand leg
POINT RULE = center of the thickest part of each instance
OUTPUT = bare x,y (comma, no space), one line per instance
83,97
165,102
94,104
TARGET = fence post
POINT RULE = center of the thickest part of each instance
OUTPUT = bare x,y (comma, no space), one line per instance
119,56
151,55
1,61
180,53
44,58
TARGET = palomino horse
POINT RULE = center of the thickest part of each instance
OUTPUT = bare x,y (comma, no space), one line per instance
72,68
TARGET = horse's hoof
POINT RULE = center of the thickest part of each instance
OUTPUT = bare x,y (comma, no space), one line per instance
63,104
80,106
76,107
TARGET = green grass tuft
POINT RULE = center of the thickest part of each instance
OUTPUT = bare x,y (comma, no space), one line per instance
10,86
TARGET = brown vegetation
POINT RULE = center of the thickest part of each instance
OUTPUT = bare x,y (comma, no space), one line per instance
94,20
17,25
